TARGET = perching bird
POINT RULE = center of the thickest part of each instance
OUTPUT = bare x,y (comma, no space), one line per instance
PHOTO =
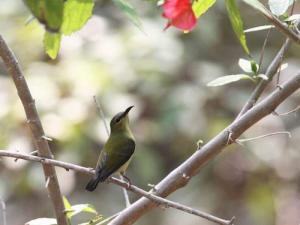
117,151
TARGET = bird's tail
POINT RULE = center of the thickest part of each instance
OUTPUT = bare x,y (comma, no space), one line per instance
92,184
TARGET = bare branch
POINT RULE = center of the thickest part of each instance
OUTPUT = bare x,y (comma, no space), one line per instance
178,177
280,26
270,73
288,112
262,52
150,195
263,136
284,29
35,125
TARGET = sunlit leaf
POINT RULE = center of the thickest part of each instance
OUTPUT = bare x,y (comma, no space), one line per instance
130,12
248,66
237,23
259,28
76,14
283,66
42,221
201,6
52,43
67,204
263,76
229,79
75,209
279,7
293,17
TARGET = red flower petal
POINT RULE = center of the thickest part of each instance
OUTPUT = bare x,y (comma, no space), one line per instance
180,14
185,21
172,8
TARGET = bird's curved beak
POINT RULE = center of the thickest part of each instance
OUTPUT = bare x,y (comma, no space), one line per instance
127,110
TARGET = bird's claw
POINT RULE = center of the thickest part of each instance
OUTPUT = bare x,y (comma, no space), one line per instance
126,179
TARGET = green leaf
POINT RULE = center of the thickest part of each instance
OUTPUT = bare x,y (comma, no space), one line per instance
279,7
67,204
130,12
237,23
249,66
229,79
75,209
52,43
201,6
42,221
259,28
293,17
76,14
54,10
37,8
48,12
94,221
254,66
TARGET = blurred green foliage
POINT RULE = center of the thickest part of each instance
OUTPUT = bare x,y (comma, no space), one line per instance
164,74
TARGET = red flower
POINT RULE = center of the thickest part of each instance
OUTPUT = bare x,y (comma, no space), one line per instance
180,14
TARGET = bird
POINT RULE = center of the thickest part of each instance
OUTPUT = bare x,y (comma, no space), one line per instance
117,152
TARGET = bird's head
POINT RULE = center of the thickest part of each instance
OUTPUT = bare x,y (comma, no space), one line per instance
120,121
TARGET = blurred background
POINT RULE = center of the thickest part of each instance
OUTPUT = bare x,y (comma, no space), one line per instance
164,74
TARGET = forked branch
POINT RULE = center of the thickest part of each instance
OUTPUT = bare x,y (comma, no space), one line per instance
36,128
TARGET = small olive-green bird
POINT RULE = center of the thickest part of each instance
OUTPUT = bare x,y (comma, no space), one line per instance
117,151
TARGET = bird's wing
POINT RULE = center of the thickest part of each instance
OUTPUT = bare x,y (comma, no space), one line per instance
112,161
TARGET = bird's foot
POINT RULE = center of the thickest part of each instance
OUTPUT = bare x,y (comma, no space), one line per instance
126,179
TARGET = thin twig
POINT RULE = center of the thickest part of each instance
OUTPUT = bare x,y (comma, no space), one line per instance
149,195
102,116
3,209
126,196
36,127
288,112
293,7
262,52
278,72
263,136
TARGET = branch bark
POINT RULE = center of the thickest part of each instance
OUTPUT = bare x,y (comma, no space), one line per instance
36,128
156,199
180,176
270,73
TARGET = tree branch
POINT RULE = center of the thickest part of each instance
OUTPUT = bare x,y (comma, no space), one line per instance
270,73
35,125
180,176
280,26
156,199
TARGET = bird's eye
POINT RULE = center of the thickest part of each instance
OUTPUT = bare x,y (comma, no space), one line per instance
118,120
